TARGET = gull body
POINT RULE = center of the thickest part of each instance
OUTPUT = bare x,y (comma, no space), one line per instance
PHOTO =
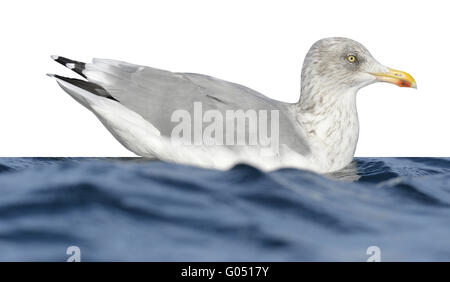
319,132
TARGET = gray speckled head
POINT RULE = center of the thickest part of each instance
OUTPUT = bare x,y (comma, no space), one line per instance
340,63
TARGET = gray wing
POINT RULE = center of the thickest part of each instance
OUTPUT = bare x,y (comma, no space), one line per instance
155,94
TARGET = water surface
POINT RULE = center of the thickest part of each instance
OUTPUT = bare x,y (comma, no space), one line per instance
134,209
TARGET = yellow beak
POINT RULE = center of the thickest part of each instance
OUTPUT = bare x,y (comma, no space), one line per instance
399,78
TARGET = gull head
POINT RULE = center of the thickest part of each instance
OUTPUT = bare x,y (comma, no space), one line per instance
339,64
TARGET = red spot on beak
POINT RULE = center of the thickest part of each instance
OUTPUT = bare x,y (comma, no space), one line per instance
403,83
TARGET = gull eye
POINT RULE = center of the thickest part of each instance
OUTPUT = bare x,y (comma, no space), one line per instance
351,58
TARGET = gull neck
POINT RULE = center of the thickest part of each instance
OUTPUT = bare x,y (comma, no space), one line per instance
330,121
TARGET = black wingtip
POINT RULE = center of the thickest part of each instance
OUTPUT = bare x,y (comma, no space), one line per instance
86,85
76,66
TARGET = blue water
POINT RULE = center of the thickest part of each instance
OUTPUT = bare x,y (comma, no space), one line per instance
134,209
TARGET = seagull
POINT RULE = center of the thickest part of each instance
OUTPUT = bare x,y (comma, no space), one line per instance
143,106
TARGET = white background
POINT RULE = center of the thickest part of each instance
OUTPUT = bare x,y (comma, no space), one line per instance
260,44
